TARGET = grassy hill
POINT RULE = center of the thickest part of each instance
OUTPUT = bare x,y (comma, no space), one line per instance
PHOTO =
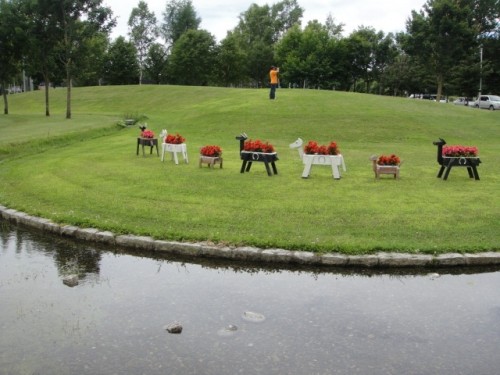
85,171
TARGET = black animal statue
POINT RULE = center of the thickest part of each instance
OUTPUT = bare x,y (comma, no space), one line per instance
446,163
248,157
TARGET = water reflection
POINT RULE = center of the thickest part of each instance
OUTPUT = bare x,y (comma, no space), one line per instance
315,322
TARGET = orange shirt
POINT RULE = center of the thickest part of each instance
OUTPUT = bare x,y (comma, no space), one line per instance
273,74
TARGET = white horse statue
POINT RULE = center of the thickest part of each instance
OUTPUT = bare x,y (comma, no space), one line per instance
172,148
335,161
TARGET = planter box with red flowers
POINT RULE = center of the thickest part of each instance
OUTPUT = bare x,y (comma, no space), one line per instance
460,152
211,155
147,138
174,144
456,156
314,154
386,164
257,150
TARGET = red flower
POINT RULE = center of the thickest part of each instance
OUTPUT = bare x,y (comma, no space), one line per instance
147,134
258,146
388,160
460,151
212,151
174,139
312,148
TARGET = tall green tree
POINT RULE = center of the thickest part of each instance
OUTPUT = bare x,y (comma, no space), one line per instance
43,45
77,21
121,67
179,16
302,55
440,36
156,63
192,59
143,32
231,60
91,65
259,28
11,45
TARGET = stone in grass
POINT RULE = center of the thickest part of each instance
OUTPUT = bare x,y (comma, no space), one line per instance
175,328
70,280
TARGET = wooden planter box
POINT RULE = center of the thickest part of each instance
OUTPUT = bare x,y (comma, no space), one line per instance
471,163
335,161
147,142
174,149
267,158
211,161
386,169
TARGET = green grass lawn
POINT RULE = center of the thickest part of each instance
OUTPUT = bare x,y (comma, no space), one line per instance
85,171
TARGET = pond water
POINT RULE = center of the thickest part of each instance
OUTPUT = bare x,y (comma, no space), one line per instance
236,319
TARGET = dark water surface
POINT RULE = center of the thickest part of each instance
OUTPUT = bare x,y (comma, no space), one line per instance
316,322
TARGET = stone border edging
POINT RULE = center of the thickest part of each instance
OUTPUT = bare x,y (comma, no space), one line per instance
247,253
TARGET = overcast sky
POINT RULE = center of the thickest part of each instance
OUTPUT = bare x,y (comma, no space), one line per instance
220,16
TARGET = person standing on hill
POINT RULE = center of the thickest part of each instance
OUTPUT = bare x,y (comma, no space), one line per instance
273,76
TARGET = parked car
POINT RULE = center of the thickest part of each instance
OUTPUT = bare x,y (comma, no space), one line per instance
15,90
490,102
462,101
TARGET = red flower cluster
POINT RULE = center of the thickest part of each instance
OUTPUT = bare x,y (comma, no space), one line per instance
258,146
313,148
388,160
174,139
460,151
212,151
147,134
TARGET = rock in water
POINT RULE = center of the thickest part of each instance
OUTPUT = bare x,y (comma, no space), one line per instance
230,330
253,317
70,280
174,328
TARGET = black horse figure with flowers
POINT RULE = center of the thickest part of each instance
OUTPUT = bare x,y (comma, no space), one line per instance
248,157
446,163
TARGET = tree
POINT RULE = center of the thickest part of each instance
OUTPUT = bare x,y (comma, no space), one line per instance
192,59
121,67
156,63
76,22
179,16
91,65
300,54
143,32
259,28
285,14
230,61
334,30
440,36
11,42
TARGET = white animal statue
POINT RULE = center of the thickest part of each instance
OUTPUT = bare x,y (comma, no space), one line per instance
335,161
172,148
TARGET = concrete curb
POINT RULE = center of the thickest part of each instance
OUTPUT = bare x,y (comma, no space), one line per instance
253,254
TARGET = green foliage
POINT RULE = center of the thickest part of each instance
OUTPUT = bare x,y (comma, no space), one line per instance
77,174
121,66
143,32
192,59
179,16
155,65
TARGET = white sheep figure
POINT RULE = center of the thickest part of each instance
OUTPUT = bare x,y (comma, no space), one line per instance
335,161
172,148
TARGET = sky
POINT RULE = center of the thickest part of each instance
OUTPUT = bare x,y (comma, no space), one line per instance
220,16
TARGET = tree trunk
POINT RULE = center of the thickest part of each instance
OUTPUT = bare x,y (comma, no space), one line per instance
68,97
47,108
439,87
5,101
